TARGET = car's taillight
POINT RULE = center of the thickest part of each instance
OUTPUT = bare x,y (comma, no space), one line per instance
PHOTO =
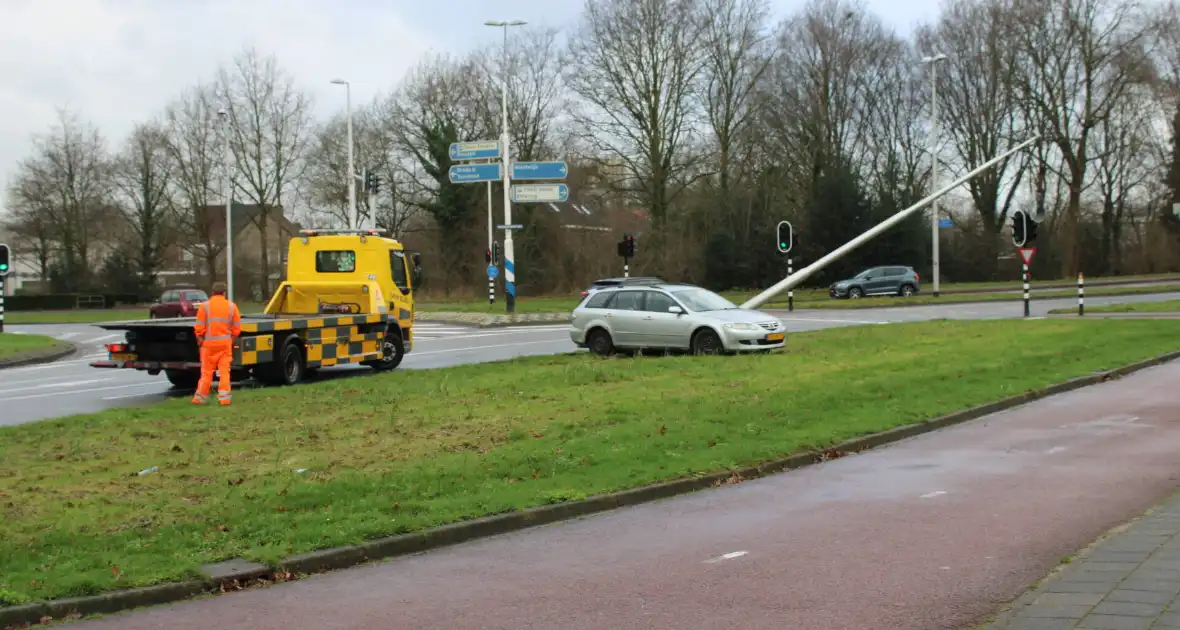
585,293
917,277
116,347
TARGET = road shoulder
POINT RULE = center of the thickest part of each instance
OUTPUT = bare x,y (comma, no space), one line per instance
1128,578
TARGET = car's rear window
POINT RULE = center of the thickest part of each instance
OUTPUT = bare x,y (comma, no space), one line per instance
195,296
598,300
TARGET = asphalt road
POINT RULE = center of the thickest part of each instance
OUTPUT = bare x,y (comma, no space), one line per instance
71,386
925,534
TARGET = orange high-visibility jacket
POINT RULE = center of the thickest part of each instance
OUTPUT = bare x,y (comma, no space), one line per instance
218,320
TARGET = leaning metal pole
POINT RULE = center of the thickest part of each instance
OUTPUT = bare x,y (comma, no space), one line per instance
794,279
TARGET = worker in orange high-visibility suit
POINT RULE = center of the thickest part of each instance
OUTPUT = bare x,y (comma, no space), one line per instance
218,324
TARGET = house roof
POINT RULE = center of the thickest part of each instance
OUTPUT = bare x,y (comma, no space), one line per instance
242,214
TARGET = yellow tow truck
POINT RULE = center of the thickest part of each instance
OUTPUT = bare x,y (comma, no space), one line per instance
348,298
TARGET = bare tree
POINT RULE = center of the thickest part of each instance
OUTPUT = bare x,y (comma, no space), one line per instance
270,131
634,64
536,93
196,150
143,189
979,106
1077,59
1124,169
32,233
67,180
737,53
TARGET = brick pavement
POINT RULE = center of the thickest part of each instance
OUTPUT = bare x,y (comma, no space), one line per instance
1128,580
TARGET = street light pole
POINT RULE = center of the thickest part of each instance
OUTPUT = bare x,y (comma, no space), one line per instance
934,237
229,199
351,170
506,165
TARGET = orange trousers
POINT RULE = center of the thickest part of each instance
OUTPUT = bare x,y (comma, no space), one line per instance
215,355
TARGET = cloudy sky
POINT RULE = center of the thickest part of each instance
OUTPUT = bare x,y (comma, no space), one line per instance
119,61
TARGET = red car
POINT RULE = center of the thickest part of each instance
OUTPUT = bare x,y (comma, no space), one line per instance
178,303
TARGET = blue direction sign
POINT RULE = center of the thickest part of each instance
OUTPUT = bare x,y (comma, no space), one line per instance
539,170
479,150
945,223
469,173
493,271
540,193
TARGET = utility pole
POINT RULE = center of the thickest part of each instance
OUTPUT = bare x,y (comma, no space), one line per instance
351,169
506,161
229,201
934,237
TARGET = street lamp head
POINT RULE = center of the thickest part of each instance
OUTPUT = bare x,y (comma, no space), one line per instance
938,57
223,112
339,82
504,23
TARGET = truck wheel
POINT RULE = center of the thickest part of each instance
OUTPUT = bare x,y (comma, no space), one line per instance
288,369
182,378
392,352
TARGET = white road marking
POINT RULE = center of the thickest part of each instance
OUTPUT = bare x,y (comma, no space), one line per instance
131,396
97,339
79,391
68,335
828,321
52,385
1055,450
728,556
931,495
411,355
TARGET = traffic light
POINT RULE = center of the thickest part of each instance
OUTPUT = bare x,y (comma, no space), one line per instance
784,237
5,264
487,257
627,246
495,253
1030,230
374,183
1019,228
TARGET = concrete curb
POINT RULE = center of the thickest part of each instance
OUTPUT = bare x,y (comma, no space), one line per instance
40,356
488,320
1144,315
238,570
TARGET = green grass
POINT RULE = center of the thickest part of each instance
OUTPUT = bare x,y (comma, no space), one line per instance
467,441
13,346
1165,306
960,298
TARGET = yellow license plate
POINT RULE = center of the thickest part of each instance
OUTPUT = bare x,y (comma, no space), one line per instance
775,337
125,356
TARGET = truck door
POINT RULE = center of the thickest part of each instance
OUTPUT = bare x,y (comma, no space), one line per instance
398,271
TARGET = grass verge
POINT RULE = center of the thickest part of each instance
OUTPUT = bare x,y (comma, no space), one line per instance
961,298
13,347
1165,306
289,470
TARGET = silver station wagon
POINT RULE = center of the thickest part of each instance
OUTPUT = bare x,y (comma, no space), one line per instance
671,317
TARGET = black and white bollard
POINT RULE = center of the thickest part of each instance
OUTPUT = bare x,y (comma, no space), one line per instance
1025,268
1081,294
791,291
626,269
3,280
491,290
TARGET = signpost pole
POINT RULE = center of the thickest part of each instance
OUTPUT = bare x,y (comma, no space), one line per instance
491,243
791,291
1081,294
626,267
1025,269
3,289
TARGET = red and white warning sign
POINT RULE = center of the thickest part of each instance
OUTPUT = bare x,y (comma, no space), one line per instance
1026,254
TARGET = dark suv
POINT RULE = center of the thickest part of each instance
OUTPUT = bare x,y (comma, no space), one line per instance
891,280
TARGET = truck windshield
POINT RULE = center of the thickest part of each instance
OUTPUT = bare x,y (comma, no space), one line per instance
335,261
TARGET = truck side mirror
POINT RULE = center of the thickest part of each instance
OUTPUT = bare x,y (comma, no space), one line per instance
417,258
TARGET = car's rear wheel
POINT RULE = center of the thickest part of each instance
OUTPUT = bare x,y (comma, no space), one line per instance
706,342
855,293
907,290
600,343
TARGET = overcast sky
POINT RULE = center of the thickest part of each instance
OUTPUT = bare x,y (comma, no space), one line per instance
119,61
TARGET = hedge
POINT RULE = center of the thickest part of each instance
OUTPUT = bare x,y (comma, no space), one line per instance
69,301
